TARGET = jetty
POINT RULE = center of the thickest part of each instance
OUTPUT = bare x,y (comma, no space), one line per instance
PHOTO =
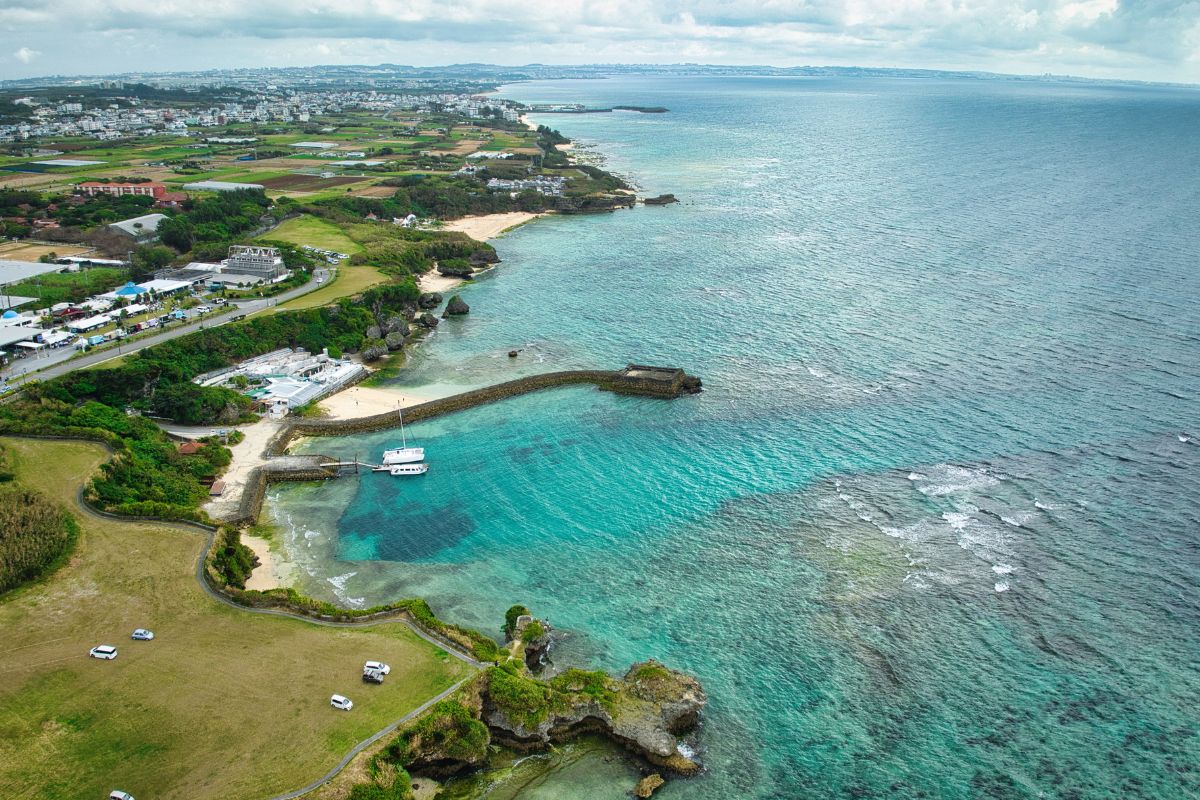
278,465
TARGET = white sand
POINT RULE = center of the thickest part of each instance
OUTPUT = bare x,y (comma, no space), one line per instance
524,120
489,226
433,282
366,401
272,572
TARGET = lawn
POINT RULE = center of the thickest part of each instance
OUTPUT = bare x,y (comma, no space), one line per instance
223,703
349,281
312,231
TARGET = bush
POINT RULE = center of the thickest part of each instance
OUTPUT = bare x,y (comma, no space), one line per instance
35,536
523,700
232,560
510,618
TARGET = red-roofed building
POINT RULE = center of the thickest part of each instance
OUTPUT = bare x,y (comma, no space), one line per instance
170,199
93,188
189,448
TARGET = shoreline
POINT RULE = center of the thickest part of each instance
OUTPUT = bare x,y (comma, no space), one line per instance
367,401
490,226
274,571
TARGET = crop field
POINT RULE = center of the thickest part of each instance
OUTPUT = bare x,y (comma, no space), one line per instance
223,703
307,183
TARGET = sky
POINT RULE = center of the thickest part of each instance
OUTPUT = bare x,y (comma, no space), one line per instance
1156,40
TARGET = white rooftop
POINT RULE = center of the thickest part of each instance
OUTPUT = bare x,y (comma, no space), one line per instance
68,162
366,163
11,335
315,145
8,301
17,271
139,226
219,186
161,286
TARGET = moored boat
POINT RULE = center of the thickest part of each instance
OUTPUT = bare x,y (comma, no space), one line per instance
408,469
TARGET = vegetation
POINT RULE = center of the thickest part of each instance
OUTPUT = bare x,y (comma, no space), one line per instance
69,287
523,700
511,616
533,631
231,559
163,718
35,536
147,475
220,219
449,728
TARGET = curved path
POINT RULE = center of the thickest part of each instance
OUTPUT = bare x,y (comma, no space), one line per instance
210,533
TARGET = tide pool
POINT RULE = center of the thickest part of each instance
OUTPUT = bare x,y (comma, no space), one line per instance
931,528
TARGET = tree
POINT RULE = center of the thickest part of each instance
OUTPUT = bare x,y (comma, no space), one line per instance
148,259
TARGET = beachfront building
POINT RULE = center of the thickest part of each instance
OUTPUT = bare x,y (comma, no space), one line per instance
286,379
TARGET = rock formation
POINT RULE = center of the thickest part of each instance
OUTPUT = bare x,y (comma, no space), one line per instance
646,786
394,340
427,320
456,306
429,300
661,200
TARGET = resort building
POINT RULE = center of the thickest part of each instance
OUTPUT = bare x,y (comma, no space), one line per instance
140,229
263,263
285,379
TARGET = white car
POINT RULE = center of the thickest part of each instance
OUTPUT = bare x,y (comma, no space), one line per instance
344,703
105,651
117,794
143,635
378,665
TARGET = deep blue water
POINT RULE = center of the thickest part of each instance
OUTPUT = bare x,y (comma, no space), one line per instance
932,528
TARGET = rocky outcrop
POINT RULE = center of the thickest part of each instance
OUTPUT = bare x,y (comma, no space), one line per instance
429,300
374,332
483,257
530,640
396,324
462,270
394,340
456,307
646,711
661,200
646,786
427,320
374,350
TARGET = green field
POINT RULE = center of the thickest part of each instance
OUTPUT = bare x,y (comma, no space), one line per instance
350,280
316,232
223,703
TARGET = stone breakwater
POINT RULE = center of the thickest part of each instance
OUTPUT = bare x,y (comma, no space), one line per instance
635,379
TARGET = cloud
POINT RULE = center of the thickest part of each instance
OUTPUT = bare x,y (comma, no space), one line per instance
1146,38
25,55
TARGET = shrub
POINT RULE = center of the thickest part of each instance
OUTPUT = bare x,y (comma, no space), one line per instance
510,618
36,536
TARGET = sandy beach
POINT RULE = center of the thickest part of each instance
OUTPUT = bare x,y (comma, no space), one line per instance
489,226
247,455
366,401
433,282
271,572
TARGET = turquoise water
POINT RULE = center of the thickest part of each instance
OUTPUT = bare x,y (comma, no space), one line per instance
932,528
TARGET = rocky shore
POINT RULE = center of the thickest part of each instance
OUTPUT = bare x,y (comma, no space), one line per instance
646,711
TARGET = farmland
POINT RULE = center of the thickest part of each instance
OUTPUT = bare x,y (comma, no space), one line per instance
207,709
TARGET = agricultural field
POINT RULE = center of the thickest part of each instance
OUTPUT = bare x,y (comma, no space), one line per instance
208,709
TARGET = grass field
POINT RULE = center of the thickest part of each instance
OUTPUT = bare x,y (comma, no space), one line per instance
350,280
223,703
31,251
316,232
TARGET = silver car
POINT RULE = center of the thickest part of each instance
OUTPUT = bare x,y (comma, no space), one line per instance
104,651
142,635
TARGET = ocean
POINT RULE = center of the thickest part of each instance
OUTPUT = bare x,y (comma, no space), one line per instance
932,528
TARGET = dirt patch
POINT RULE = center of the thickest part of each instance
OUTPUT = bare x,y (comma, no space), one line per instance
374,191
31,251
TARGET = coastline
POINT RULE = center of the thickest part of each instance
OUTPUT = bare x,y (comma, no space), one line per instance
367,401
489,226
273,571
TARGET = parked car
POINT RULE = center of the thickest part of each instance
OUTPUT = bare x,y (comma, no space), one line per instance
105,651
220,301
117,794
340,702
379,665
202,309
372,676
143,635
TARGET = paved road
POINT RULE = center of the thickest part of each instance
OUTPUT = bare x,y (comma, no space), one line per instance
60,362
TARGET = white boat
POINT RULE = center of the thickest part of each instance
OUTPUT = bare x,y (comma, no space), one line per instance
408,469
403,454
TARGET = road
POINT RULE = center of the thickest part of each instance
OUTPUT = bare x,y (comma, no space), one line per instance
64,360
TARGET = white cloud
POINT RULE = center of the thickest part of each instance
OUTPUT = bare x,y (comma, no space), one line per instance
25,55
1155,39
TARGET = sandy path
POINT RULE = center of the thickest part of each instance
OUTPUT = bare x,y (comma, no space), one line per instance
247,455
489,226
366,401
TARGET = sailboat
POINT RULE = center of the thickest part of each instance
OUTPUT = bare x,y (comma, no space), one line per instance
403,454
